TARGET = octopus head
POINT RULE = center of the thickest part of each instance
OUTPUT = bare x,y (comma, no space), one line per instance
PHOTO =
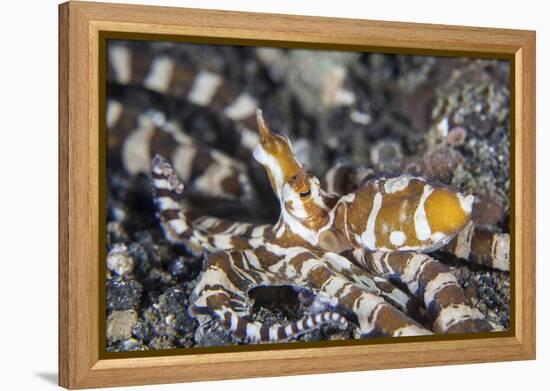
302,202
448,211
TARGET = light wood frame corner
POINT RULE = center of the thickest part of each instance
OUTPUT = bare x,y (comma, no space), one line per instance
80,26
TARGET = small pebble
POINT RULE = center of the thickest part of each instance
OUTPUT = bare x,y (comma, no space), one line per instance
487,210
443,127
386,156
456,136
132,344
119,325
119,261
208,335
123,294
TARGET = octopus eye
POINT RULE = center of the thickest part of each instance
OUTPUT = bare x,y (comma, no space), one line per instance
305,194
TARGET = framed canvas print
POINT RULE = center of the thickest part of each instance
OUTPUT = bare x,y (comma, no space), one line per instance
297,194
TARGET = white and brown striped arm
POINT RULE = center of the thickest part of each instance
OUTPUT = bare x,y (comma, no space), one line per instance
134,138
433,283
481,246
222,295
164,74
375,284
202,234
374,316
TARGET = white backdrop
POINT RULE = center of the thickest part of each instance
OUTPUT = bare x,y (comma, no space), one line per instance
28,193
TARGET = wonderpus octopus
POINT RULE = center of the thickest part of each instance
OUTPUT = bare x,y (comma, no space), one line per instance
355,248
345,249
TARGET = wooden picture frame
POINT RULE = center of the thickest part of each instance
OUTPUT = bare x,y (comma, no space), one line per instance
81,29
